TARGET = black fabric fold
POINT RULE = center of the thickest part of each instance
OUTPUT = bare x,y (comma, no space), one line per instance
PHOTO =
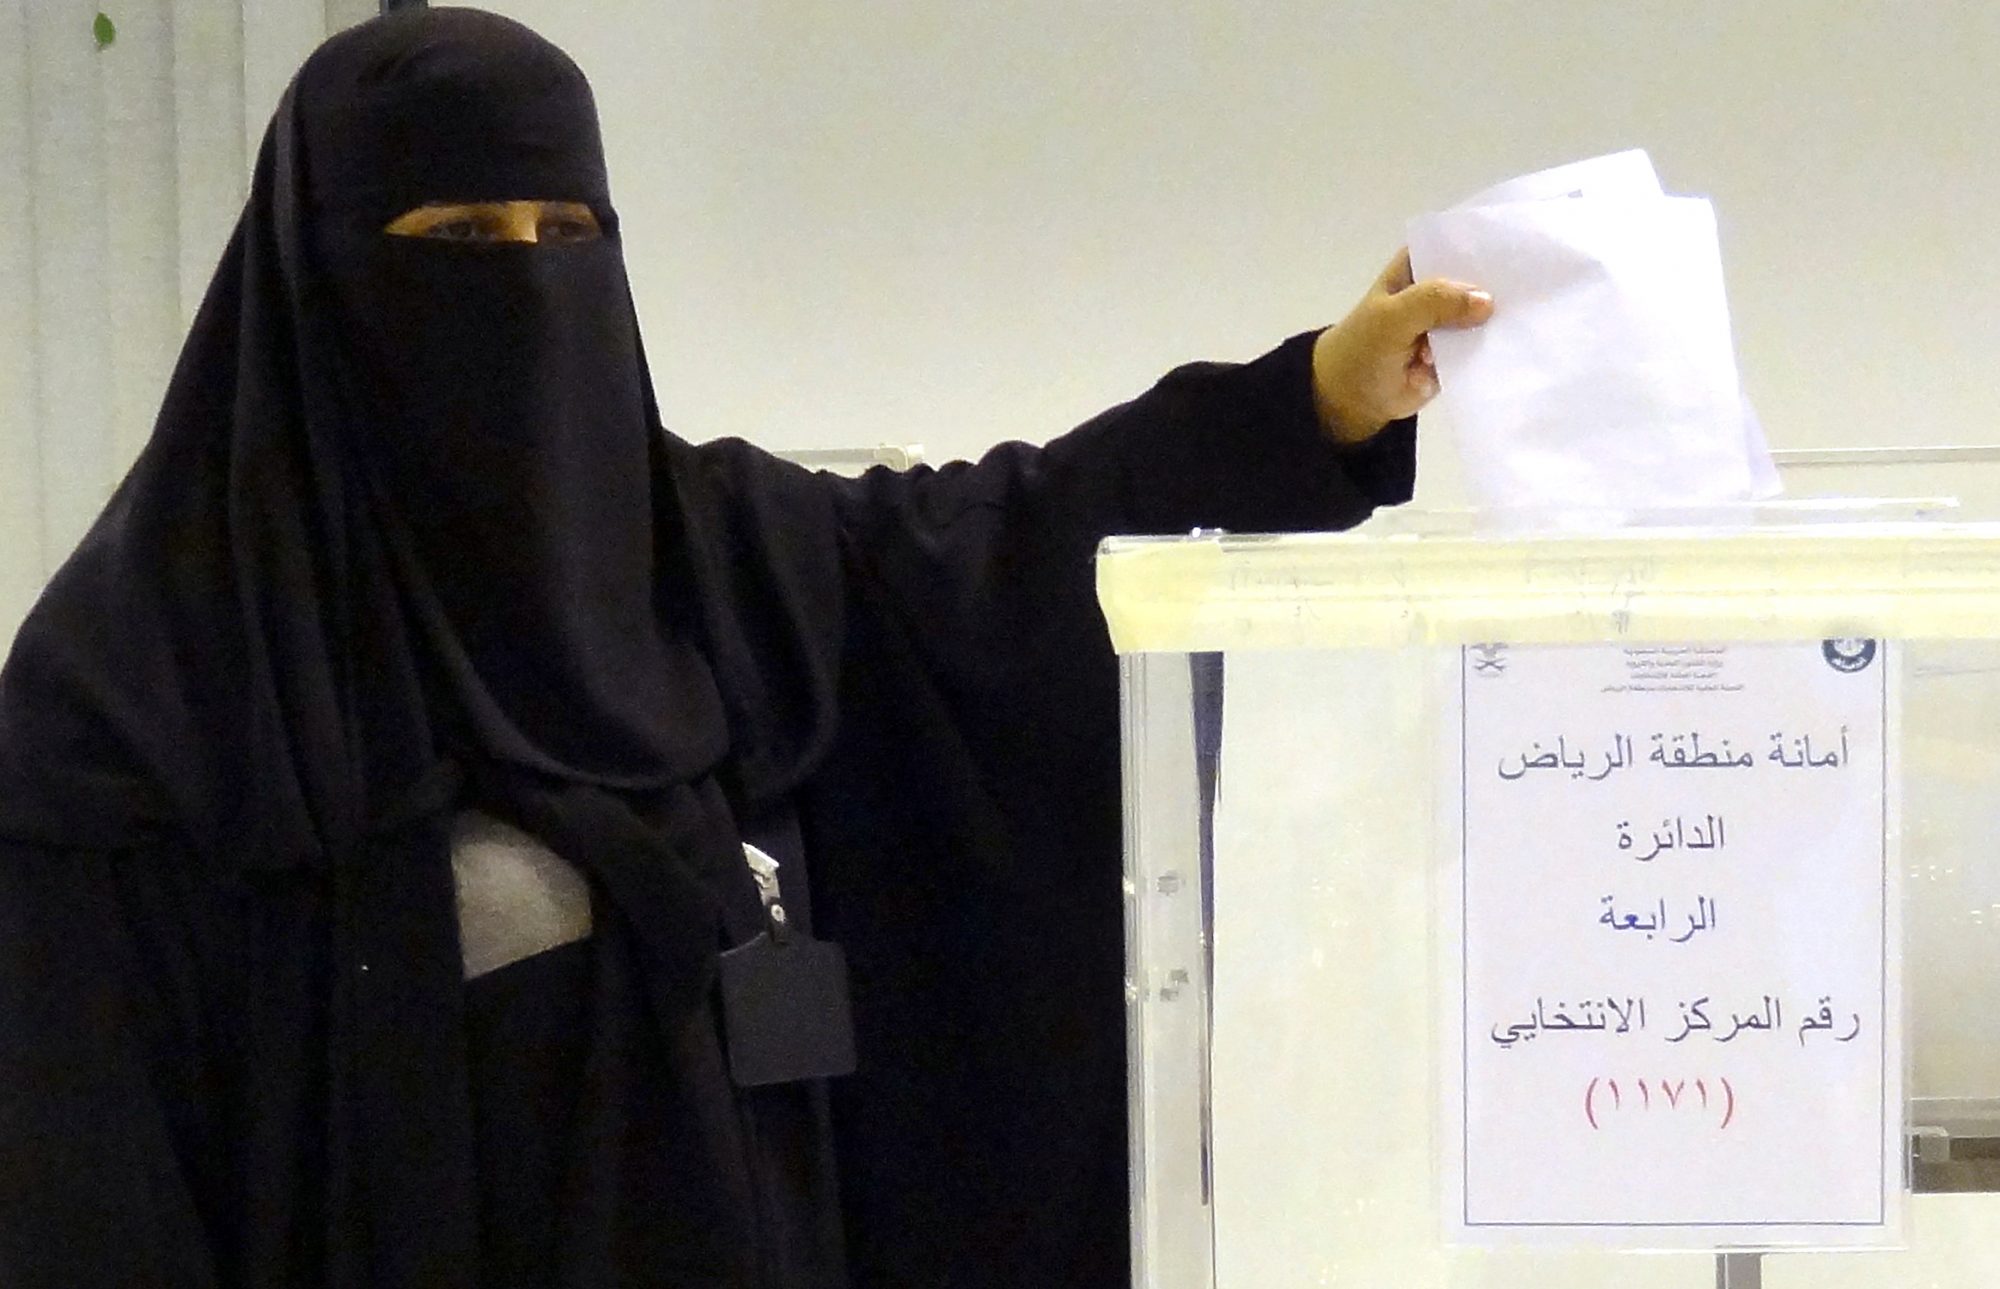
669,889
668,882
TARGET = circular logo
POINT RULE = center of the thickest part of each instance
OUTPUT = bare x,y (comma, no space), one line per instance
1848,654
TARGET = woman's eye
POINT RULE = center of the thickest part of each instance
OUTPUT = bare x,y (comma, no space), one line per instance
568,230
456,230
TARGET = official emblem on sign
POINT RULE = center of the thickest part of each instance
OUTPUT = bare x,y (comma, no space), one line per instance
1848,654
1489,660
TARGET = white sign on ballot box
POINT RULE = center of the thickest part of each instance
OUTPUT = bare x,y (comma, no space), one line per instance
1674,1000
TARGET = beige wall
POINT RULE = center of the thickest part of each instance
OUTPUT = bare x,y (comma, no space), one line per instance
855,222
895,222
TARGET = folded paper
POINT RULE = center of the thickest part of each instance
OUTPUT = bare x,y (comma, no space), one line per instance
1607,377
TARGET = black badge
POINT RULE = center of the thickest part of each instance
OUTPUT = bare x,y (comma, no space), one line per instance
785,1010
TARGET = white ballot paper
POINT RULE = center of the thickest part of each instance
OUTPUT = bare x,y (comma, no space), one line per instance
1607,376
1675,1001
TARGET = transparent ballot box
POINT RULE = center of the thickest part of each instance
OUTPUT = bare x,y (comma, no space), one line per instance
1530,908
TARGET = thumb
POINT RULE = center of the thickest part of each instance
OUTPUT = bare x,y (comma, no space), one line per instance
1438,302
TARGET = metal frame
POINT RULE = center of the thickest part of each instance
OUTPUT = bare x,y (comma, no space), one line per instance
1739,1271
1812,458
855,460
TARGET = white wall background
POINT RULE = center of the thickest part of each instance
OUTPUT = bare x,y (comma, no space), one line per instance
953,222
121,174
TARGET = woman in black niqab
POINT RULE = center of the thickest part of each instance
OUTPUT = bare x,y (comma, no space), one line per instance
408,542
405,539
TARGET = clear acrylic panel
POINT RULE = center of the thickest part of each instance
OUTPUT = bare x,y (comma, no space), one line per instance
1293,1136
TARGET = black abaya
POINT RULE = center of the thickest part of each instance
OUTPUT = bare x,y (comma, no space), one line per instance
364,577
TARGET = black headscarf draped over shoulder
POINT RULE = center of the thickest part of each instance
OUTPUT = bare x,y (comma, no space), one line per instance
407,535
405,497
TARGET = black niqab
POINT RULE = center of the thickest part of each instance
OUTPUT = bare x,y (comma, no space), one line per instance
503,415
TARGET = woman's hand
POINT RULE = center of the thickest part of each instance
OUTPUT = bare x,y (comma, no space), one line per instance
1374,366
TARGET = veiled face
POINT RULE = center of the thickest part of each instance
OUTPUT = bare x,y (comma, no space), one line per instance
495,222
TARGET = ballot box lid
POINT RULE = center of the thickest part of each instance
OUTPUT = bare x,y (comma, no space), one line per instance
1772,572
